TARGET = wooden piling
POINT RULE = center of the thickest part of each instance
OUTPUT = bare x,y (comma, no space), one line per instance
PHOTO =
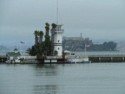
107,58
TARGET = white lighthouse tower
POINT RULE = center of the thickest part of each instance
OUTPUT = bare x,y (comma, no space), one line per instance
58,40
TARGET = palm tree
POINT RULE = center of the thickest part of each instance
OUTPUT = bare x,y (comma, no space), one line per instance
53,25
47,28
41,36
36,36
47,40
42,47
52,37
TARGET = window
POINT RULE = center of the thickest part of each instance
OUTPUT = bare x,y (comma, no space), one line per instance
58,48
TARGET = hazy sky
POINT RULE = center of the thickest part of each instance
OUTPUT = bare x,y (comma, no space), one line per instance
96,19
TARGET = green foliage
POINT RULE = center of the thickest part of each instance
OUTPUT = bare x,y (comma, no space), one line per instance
36,36
47,28
42,47
109,45
53,29
41,36
55,53
47,40
32,51
106,46
53,25
79,45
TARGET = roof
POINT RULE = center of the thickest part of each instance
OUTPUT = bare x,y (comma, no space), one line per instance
72,38
66,51
14,54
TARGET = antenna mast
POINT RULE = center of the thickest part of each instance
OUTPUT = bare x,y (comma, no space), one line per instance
57,12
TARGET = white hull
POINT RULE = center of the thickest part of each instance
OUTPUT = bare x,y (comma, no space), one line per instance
13,61
78,60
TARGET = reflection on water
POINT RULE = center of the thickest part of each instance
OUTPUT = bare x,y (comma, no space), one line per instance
46,70
101,78
45,89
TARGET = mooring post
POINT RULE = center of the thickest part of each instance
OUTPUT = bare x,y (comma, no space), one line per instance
99,59
111,59
122,59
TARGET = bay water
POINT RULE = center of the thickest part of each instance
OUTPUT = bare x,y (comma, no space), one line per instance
94,78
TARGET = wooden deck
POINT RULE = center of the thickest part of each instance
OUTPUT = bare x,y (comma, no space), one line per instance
107,58
3,58
51,60
93,58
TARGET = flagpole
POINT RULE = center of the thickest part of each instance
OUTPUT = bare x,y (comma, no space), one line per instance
85,51
57,13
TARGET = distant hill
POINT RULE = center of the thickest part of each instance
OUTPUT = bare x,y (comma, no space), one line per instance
3,48
79,43
22,48
121,46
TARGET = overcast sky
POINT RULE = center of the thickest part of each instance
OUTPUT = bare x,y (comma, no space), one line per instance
96,19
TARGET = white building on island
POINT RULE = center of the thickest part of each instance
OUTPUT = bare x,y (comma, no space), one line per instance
13,57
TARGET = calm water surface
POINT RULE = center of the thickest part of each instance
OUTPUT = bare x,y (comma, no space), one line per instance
94,78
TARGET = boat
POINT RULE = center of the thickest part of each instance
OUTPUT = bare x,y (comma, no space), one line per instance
78,59
72,58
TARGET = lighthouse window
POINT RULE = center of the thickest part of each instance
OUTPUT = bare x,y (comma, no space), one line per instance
58,40
58,48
